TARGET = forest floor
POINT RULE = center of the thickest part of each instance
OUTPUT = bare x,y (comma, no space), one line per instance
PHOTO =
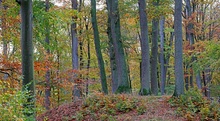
158,109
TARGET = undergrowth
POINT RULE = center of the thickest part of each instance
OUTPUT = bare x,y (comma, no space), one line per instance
193,104
101,107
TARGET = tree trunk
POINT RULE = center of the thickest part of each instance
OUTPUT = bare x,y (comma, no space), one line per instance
154,55
47,41
145,56
81,63
98,48
88,59
179,83
190,36
27,55
3,27
76,90
113,66
162,65
122,71
198,80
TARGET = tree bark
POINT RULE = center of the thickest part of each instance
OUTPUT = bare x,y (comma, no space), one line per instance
75,66
179,83
98,48
88,59
27,55
47,76
162,63
122,71
145,56
154,55
113,66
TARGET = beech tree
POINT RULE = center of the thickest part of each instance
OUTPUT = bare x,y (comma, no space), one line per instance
27,54
154,52
75,62
98,48
179,83
121,65
47,76
145,56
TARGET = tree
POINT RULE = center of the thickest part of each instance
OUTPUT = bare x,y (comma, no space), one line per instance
27,54
47,76
162,63
179,83
122,71
75,63
98,48
145,56
154,53
113,66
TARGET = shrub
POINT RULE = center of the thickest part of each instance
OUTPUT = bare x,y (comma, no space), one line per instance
106,107
11,104
193,103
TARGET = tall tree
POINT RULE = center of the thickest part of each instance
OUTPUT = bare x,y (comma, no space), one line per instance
47,76
98,48
27,54
179,83
162,63
113,66
145,56
75,63
122,71
154,52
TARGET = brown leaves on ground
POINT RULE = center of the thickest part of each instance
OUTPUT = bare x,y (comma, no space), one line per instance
157,109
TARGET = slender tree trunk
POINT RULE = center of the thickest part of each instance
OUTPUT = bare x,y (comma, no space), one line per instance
154,55
47,41
190,36
98,48
122,71
88,60
27,55
3,27
75,66
145,56
179,83
162,63
80,38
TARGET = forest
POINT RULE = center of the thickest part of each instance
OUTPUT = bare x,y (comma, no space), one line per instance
109,60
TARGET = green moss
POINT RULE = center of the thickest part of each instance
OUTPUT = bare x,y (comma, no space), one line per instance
123,89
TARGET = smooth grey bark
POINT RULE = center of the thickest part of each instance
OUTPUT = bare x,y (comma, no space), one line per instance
75,63
154,55
162,63
190,36
98,48
47,76
27,55
122,71
198,80
145,56
179,83
113,66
